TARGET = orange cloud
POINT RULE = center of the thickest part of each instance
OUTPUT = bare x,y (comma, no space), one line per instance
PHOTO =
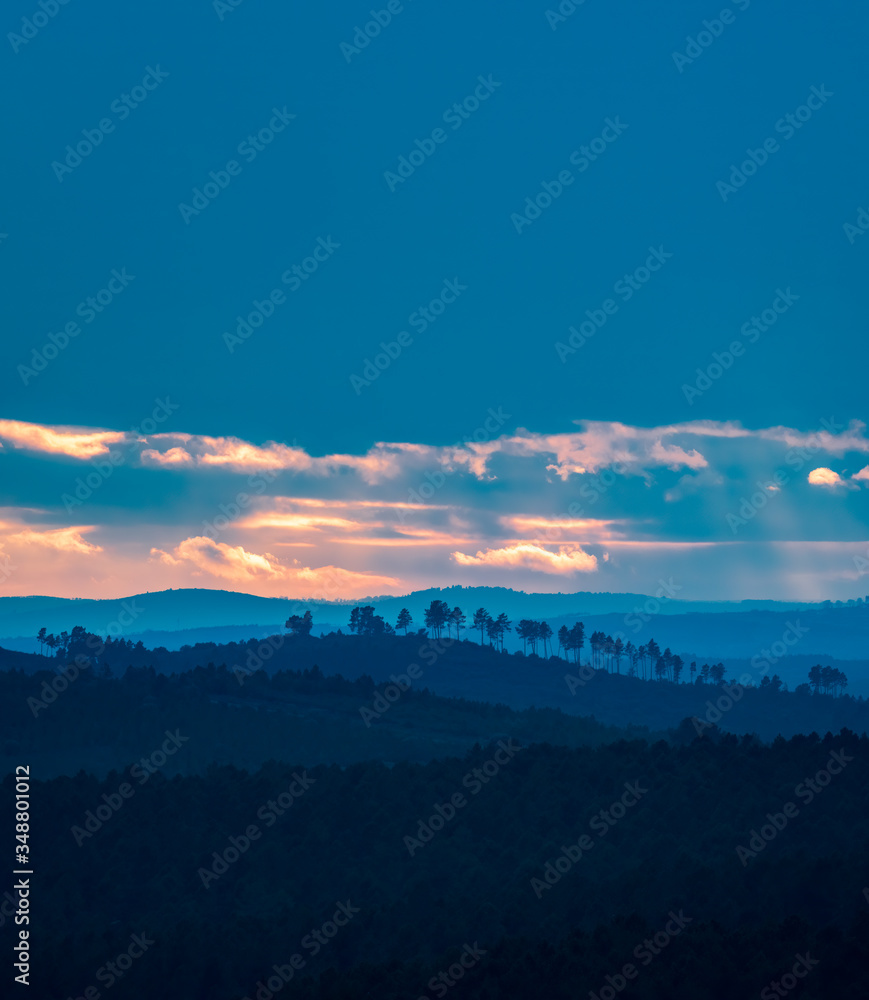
528,555
606,445
825,477
589,527
172,457
233,453
70,441
409,536
238,565
230,562
60,539
272,519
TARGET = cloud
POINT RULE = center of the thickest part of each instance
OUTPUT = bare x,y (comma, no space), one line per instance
597,445
73,442
631,450
174,457
238,565
553,528
826,477
230,562
862,475
528,555
277,519
230,452
60,539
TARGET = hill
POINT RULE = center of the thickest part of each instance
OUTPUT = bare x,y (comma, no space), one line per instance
173,610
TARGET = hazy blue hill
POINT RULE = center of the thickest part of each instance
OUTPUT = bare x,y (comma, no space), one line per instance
735,631
517,604
176,610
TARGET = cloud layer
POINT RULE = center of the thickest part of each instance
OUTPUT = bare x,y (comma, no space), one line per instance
604,506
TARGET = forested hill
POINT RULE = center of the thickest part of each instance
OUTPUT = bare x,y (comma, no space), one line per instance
553,865
63,723
172,610
480,673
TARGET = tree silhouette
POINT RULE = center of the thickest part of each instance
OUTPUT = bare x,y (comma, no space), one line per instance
496,628
527,632
618,653
653,651
564,639
577,640
363,621
437,615
404,620
458,619
300,624
546,636
481,621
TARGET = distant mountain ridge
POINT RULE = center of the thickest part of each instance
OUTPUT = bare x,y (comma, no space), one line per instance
177,610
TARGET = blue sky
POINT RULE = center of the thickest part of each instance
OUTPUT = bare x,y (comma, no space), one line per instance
776,242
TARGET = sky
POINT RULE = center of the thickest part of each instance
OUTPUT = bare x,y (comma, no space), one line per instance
351,300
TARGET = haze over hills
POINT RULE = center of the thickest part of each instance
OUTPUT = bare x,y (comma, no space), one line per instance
172,610
705,629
